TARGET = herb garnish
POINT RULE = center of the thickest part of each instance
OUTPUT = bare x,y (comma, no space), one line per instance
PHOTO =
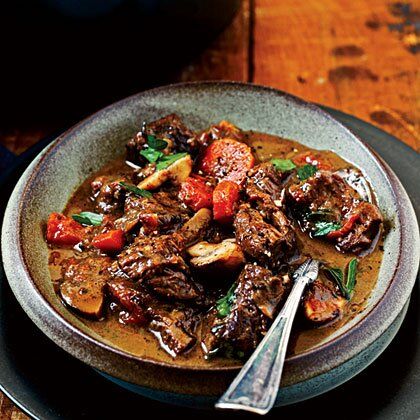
155,143
351,275
136,190
306,171
338,276
224,304
153,152
283,165
88,218
324,228
167,160
151,155
154,155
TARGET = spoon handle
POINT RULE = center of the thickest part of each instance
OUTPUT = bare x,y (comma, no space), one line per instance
256,386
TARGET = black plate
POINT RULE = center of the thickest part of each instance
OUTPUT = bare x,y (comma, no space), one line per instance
48,383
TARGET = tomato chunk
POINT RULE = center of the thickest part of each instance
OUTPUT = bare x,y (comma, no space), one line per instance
345,229
225,197
228,160
111,241
311,158
63,230
196,194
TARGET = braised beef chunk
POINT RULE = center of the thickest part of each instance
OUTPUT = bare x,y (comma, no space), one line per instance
108,194
169,128
222,130
160,213
134,146
367,223
254,302
263,186
324,190
168,328
174,285
148,257
83,284
260,240
322,304
326,197
174,328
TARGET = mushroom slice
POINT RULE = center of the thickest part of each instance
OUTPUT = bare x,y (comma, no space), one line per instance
177,173
84,283
226,255
321,304
86,297
194,229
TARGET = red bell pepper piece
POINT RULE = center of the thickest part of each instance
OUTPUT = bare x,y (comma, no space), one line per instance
225,197
63,230
111,241
196,194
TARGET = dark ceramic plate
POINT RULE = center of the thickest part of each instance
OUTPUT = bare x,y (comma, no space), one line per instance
47,383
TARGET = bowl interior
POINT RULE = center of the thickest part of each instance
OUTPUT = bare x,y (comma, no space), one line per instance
94,142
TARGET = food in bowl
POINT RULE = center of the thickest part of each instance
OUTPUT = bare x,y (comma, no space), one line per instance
185,247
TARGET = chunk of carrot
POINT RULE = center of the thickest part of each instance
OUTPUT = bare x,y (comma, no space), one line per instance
228,160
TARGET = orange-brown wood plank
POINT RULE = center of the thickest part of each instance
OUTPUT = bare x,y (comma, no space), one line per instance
360,56
9,411
227,58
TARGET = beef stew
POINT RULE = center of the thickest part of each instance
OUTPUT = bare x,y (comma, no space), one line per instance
184,248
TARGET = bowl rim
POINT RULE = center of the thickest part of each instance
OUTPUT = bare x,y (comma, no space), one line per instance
403,269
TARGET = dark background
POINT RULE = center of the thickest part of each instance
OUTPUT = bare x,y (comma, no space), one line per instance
63,59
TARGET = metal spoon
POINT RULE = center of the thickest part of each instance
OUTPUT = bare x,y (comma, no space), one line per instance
256,386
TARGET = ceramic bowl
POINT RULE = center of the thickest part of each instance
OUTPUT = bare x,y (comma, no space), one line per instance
49,181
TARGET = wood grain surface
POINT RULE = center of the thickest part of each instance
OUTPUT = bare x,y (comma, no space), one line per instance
359,56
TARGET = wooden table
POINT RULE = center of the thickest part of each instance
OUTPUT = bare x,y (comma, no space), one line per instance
360,56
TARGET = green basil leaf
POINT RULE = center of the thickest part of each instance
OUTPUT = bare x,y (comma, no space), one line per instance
136,190
351,276
151,155
306,171
283,165
324,228
155,143
167,160
88,218
337,275
224,304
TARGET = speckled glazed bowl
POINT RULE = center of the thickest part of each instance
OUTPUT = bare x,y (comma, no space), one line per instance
50,180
